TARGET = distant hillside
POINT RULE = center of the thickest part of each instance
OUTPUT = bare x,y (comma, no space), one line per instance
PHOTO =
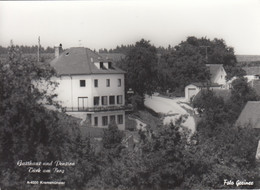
247,58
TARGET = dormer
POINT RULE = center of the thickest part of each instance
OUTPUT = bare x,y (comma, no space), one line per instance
108,65
100,65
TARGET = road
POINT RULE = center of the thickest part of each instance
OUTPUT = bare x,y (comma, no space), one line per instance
173,109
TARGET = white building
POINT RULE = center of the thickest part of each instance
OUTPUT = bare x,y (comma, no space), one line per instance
217,74
217,81
193,89
90,87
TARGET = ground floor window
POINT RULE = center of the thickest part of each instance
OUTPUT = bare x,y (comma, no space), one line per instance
95,121
112,118
120,119
104,120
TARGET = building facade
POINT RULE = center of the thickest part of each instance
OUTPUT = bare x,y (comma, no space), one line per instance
217,74
90,87
217,81
193,89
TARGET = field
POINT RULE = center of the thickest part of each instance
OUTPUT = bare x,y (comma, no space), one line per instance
247,58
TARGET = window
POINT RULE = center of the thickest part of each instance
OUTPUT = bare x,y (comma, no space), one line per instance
108,82
109,65
82,83
119,82
96,83
104,100
96,101
89,118
112,118
111,100
120,119
119,99
101,65
104,120
95,121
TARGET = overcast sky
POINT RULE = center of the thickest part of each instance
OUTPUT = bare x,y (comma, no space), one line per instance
106,24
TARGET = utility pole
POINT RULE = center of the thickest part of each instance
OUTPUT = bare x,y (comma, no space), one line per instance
39,46
206,47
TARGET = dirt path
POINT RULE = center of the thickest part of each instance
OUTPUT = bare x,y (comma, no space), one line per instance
172,107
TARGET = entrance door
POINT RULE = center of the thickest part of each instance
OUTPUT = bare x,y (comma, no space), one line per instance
82,103
191,92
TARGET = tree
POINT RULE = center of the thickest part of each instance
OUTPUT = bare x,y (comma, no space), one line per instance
186,62
182,65
211,107
228,154
241,93
163,159
157,163
112,136
29,131
140,65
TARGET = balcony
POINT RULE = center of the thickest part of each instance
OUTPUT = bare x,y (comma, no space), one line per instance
98,108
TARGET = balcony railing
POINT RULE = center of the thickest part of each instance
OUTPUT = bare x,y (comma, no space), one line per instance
98,108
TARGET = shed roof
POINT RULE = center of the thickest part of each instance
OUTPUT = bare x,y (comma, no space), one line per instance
204,84
224,93
80,60
250,115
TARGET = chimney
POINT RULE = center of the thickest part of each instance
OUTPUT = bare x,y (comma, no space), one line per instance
58,50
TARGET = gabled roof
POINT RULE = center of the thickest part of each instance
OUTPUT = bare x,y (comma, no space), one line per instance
250,115
214,69
80,60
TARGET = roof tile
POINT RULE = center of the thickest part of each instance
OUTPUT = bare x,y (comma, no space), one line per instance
79,60
250,115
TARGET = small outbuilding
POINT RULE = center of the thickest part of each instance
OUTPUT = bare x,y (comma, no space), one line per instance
193,89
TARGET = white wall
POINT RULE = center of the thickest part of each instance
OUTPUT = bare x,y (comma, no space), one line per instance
69,88
83,116
187,90
113,90
115,113
221,77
